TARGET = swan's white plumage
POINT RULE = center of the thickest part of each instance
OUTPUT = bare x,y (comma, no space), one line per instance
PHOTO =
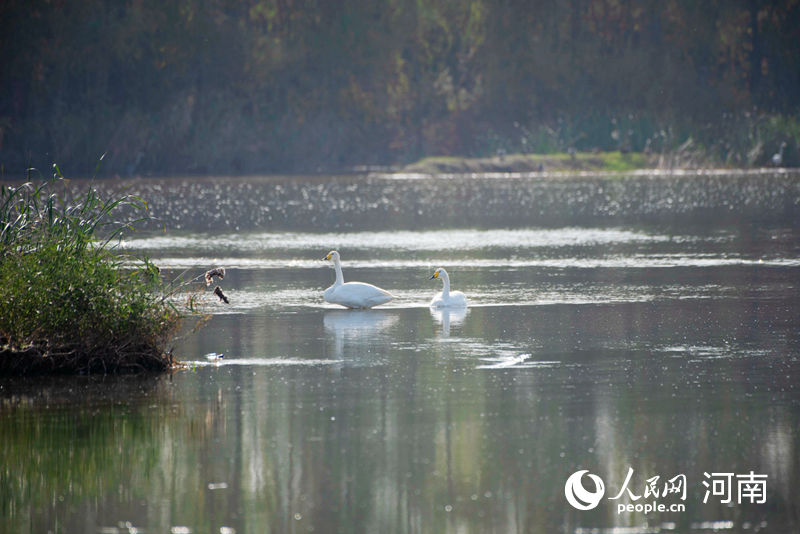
357,295
447,298
777,158
353,294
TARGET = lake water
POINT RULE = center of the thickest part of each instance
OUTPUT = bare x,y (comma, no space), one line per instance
647,323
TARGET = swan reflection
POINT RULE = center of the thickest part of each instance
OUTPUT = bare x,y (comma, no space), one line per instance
447,316
355,328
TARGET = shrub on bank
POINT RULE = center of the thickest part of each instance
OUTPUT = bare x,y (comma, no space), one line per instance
67,304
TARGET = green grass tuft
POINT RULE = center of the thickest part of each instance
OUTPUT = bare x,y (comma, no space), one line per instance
613,161
66,302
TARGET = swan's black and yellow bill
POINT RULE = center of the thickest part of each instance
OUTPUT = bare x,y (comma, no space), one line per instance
435,275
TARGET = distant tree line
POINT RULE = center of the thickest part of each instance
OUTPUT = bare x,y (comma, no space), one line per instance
246,86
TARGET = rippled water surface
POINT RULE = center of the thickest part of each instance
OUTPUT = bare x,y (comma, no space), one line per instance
620,334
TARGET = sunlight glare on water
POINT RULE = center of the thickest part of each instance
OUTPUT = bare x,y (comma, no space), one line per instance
609,327
436,240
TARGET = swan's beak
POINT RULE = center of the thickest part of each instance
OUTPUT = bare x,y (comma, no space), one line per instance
435,275
326,257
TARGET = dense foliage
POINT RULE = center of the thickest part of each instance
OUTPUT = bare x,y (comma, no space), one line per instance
236,86
66,302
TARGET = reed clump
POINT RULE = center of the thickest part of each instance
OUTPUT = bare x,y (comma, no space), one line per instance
67,303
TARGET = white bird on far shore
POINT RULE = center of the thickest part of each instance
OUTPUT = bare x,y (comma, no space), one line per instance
777,158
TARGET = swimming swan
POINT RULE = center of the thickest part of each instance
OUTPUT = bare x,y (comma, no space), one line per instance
447,298
353,294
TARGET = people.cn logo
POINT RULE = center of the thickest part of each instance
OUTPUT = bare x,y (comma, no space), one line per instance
578,496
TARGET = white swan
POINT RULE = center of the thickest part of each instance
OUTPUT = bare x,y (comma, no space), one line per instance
447,298
353,294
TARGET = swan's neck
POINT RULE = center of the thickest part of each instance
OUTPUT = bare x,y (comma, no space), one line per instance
445,285
339,277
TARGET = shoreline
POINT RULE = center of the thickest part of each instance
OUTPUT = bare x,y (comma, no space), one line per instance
578,161
555,166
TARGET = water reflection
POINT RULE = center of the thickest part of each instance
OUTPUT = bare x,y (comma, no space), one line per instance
62,442
355,332
596,347
444,317
422,442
